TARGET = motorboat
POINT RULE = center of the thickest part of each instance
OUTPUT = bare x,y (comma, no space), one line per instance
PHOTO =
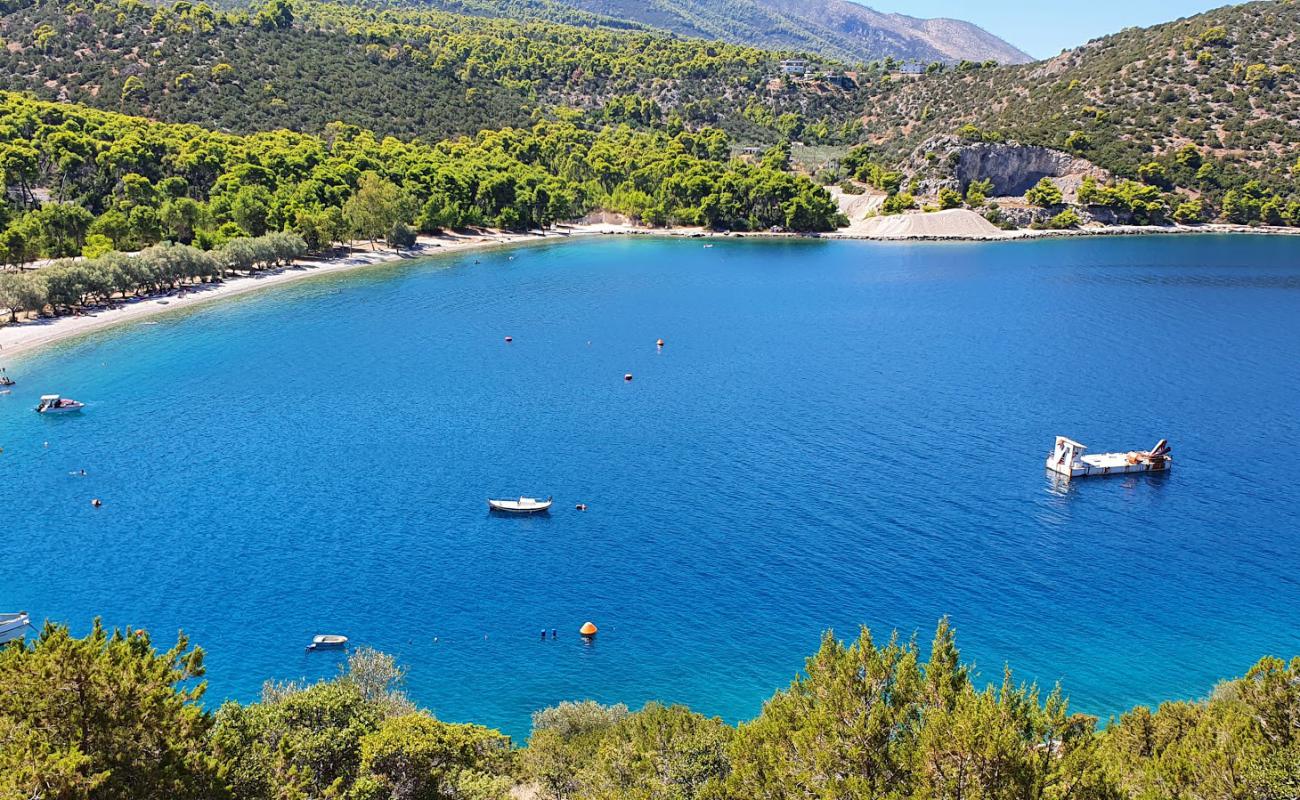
1069,460
327,641
5,380
55,404
14,626
524,505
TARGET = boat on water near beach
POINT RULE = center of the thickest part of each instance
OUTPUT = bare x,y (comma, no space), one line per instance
1068,459
54,404
327,641
524,505
13,626
5,380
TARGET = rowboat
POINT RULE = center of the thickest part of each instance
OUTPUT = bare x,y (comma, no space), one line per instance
13,626
524,505
327,641
54,404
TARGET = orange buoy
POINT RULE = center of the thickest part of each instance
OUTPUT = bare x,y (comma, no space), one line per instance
509,339
588,629
627,376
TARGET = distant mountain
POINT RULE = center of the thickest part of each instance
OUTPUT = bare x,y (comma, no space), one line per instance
835,28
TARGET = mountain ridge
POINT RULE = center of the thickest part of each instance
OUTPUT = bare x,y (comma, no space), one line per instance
838,29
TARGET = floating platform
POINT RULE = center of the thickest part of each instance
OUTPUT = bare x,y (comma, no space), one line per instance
1068,458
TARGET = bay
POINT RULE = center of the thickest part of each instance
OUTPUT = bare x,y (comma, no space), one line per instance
835,434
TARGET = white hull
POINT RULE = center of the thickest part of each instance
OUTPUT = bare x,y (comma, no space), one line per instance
71,410
13,626
1085,470
523,505
1068,459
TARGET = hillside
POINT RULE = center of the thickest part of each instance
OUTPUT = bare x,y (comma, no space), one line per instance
1223,81
403,72
1203,105
82,182
838,29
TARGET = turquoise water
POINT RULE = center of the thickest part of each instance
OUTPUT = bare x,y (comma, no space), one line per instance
837,433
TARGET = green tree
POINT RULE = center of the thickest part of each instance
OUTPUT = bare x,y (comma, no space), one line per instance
107,712
1045,194
275,15
377,207
416,757
949,198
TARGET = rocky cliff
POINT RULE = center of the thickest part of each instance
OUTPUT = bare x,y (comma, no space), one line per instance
949,162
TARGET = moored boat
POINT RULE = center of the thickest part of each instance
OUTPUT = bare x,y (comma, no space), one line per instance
55,404
13,626
327,641
524,505
1068,459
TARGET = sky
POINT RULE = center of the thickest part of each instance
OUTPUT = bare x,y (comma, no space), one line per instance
1044,29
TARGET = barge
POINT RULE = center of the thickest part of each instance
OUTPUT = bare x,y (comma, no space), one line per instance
1068,458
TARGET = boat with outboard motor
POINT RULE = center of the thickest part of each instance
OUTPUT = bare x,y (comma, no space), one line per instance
1068,459
327,641
56,404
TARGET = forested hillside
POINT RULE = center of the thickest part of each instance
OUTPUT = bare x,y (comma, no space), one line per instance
86,181
1205,105
404,72
866,719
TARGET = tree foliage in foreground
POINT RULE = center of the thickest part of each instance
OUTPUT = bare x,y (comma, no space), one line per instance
108,716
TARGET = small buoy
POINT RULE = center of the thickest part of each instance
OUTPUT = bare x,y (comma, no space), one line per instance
627,376
588,629
509,339
97,502
581,507
659,343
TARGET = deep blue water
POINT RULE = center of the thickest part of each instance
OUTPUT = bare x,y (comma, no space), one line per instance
837,433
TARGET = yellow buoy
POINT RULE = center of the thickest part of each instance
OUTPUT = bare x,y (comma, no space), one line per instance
588,629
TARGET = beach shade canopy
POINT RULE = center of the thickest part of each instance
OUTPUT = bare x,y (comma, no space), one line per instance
588,629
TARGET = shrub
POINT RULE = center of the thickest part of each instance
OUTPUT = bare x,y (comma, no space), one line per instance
949,198
1045,194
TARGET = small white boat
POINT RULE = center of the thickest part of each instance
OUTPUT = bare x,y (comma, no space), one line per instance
327,641
13,626
54,404
524,505
1068,459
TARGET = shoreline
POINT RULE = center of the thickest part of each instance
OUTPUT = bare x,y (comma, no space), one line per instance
28,336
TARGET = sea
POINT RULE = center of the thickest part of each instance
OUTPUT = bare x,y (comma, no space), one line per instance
835,434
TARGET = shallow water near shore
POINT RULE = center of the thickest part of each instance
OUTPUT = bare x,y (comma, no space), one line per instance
836,434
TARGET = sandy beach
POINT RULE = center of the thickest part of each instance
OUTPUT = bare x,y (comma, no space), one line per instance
28,336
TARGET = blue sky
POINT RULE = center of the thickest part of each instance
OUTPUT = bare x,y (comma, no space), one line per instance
1044,29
